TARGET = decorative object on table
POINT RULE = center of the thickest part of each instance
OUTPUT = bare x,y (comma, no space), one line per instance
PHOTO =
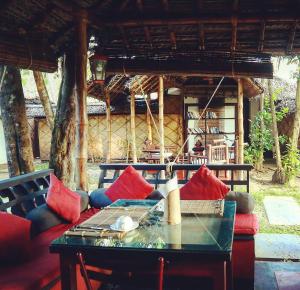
109,220
202,207
173,201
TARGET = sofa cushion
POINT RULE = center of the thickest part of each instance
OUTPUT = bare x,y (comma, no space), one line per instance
130,185
246,224
203,185
43,218
84,199
244,201
15,240
62,200
99,199
42,267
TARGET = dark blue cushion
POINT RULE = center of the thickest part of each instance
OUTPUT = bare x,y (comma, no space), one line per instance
99,199
43,218
84,202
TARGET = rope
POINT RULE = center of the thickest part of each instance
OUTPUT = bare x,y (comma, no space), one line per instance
200,117
2,77
170,163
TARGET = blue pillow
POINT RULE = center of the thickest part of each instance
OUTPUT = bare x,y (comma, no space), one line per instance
43,218
99,199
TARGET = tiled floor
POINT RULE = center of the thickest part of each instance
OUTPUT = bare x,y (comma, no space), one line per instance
265,273
277,247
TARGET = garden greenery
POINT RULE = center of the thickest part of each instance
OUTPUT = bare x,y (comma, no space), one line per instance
291,162
261,139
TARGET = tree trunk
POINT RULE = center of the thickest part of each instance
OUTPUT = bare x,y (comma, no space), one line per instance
63,134
44,97
260,161
296,125
278,176
16,131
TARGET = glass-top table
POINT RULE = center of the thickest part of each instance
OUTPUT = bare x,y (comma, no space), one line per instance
198,237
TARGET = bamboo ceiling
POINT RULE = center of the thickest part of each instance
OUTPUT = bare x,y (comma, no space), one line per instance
33,33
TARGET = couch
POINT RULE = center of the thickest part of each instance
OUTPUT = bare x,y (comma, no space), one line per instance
40,270
21,194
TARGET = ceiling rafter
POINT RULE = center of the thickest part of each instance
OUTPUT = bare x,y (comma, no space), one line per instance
262,30
234,23
172,34
124,37
292,34
201,36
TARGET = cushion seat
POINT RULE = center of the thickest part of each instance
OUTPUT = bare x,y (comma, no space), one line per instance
42,267
246,224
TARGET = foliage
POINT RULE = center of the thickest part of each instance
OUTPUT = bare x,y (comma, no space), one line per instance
262,140
291,162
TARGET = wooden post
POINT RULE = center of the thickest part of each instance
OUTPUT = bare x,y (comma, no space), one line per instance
81,92
161,118
240,109
108,127
148,118
132,127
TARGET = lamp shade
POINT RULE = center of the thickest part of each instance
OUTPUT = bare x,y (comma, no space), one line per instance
98,67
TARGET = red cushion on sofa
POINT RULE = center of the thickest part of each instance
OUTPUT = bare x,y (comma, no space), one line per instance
62,200
204,185
246,224
14,237
129,185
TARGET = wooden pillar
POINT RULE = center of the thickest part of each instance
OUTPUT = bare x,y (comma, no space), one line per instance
148,118
240,109
81,93
132,127
108,127
161,118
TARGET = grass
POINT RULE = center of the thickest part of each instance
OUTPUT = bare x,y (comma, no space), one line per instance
275,190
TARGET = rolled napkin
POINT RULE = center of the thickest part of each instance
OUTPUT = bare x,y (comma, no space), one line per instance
173,201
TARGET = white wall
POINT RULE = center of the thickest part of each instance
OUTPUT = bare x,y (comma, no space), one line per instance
3,159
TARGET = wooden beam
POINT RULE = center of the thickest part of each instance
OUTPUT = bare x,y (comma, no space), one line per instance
124,5
124,37
291,39
132,127
261,36
161,119
108,126
194,19
189,68
148,119
25,56
201,37
81,93
234,33
240,108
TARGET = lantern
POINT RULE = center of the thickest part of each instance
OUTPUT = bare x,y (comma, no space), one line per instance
98,67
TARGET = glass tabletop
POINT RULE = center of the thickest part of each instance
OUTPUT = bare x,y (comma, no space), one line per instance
196,233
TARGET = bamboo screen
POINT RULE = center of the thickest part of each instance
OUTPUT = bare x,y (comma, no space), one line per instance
97,135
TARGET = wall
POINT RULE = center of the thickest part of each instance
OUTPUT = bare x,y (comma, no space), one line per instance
97,135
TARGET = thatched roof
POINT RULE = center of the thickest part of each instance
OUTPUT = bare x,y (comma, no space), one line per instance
33,33
34,108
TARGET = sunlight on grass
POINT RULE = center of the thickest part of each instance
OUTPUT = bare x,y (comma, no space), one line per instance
275,190
41,166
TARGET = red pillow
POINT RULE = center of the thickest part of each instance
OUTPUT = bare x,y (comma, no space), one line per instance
62,200
129,185
204,185
14,238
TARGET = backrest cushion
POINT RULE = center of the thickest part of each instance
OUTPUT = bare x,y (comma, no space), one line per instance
14,238
130,185
203,185
62,200
43,218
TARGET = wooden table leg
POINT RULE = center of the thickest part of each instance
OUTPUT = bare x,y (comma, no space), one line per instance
68,272
229,277
220,276
161,264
